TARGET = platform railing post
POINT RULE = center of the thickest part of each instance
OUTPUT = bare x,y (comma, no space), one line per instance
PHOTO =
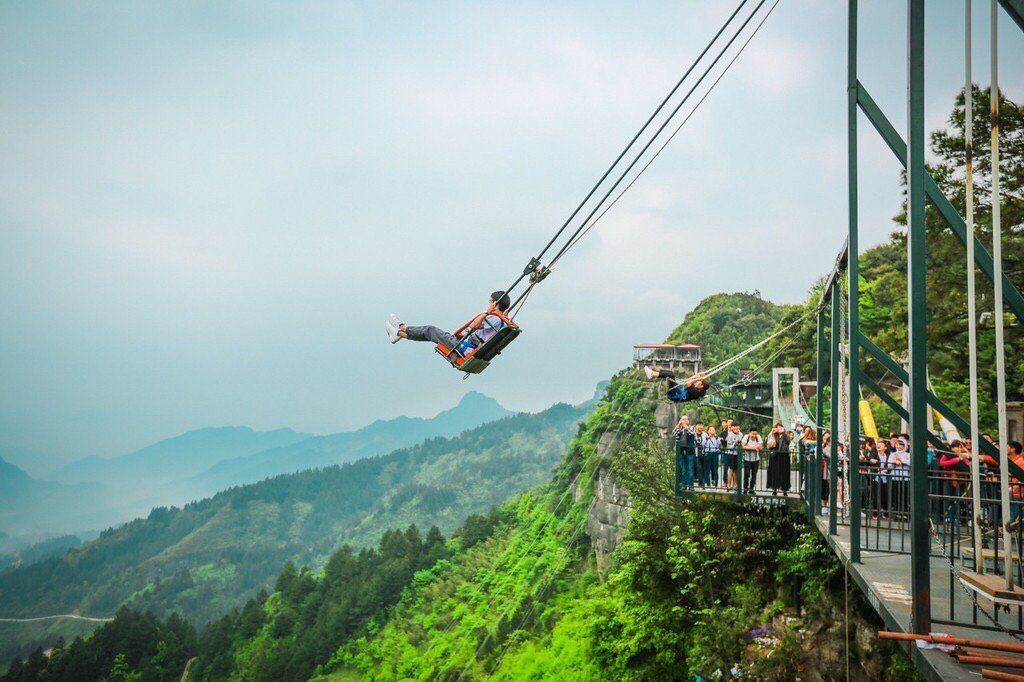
835,378
815,464
853,288
917,322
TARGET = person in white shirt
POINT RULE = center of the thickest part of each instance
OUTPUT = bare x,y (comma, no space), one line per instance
732,444
712,455
752,446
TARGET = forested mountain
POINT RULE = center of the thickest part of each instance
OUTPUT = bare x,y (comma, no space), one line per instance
381,436
95,492
204,558
30,508
38,551
726,324
173,458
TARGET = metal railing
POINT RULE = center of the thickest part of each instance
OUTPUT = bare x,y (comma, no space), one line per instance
737,471
883,507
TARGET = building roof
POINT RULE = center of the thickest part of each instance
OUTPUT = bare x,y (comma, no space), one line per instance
666,345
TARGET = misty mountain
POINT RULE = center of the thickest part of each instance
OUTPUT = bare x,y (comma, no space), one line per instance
379,437
11,477
95,492
30,508
179,457
211,555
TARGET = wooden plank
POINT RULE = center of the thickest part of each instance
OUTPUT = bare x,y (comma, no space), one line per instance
992,585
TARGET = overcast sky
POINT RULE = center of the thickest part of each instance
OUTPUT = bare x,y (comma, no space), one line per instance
208,209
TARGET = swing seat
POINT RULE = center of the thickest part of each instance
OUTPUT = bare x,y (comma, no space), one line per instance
993,587
477,359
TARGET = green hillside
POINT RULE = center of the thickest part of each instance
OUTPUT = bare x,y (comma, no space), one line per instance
696,587
726,324
207,557
519,595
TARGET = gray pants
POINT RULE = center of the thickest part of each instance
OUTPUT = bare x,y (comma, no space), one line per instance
433,335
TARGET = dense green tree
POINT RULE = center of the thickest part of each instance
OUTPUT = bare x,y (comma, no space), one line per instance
209,556
133,646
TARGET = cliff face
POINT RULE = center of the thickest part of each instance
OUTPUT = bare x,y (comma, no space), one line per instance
608,512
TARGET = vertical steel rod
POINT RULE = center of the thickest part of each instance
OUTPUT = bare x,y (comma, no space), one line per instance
972,313
997,275
816,471
835,380
917,322
853,273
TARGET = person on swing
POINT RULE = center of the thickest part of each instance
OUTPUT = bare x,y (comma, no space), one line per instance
693,388
477,333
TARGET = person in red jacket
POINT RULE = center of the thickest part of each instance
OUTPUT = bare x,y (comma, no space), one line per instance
1015,452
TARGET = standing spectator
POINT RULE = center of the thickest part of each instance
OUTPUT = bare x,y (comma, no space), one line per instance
867,466
732,445
778,459
882,478
825,454
698,434
712,453
808,448
685,452
752,446
1015,452
956,471
899,466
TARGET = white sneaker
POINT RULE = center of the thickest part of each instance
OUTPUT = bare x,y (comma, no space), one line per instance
649,372
395,322
392,331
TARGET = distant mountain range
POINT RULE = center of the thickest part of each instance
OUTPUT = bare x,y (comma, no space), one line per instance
380,436
211,555
178,457
30,509
96,492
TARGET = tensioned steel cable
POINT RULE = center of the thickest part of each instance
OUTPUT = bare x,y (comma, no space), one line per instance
671,137
628,146
664,125
574,237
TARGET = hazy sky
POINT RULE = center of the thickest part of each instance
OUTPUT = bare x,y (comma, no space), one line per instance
208,209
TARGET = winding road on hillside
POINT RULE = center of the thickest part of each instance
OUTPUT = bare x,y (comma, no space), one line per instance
73,616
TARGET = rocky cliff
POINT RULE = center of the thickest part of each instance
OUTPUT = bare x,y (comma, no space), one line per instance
608,512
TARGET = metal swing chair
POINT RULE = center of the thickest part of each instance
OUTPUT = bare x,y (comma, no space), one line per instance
472,358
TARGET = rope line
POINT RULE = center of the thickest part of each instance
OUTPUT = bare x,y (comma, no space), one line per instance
630,145
672,136
739,356
535,269
658,132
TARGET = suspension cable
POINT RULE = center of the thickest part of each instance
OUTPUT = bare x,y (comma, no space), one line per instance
671,137
739,356
675,111
534,262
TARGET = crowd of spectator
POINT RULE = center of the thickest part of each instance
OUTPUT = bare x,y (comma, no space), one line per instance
710,457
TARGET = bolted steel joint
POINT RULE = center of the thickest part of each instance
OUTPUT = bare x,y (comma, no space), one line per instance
531,266
538,275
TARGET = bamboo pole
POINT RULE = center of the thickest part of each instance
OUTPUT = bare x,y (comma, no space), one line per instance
1000,661
956,641
996,675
